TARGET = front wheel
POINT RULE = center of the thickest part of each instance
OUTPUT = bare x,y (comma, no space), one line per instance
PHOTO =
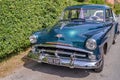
101,66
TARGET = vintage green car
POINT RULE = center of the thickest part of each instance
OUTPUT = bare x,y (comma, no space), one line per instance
80,39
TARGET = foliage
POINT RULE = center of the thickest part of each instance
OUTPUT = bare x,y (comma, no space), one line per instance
117,8
80,0
20,18
97,1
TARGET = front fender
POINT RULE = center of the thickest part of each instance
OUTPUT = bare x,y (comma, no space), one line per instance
41,36
101,38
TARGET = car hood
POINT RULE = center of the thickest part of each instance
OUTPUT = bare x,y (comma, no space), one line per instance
73,33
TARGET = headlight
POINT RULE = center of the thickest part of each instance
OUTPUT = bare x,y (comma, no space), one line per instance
91,44
33,39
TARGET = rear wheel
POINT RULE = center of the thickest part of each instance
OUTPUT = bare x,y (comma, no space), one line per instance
114,40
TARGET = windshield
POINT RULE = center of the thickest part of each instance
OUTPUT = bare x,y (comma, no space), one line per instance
86,14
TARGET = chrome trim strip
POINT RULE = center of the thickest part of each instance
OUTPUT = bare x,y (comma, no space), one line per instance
65,47
58,43
62,52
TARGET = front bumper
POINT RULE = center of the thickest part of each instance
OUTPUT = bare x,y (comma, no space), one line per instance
65,61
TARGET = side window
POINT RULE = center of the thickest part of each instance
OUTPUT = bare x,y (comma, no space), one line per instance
108,14
111,13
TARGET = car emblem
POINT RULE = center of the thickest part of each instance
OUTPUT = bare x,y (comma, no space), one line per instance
59,35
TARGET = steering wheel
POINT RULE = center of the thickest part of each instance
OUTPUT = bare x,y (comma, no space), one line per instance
94,17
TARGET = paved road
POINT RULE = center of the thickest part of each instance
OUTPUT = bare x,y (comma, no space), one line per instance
35,71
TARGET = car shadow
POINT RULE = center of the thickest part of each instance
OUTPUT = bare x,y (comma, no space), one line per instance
55,70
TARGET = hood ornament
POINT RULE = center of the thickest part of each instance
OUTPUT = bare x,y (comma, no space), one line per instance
59,35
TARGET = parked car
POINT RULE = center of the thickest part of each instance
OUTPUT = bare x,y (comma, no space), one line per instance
80,39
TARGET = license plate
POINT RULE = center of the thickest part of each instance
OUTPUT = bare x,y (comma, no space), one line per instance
53,61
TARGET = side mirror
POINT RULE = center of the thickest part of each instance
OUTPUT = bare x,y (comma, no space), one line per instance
111,18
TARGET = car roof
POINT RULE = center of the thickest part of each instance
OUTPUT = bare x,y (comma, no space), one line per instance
99,6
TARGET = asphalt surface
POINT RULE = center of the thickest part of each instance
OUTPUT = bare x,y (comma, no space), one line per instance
36,71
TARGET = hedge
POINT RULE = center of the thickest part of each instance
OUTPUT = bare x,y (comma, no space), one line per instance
20,18
97,1
117,8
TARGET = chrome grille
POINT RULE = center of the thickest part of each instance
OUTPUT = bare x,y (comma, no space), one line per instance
57,51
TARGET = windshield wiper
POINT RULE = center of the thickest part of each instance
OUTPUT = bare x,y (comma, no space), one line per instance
94,21
78,19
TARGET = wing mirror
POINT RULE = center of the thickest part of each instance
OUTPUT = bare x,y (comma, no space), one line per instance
117,15
111,19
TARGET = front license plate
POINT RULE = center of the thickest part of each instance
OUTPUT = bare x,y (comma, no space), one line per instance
53,61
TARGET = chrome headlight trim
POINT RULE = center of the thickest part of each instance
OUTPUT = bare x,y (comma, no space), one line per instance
33,39
92,57
91,44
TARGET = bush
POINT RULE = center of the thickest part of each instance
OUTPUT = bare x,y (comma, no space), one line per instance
97,1
19,18
117,8
80,0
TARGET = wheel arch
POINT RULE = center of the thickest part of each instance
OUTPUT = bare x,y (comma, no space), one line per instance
105,46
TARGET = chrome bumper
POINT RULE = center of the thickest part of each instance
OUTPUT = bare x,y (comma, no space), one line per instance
67,62
75,64
71,61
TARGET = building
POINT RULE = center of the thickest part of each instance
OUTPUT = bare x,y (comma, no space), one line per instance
112,1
